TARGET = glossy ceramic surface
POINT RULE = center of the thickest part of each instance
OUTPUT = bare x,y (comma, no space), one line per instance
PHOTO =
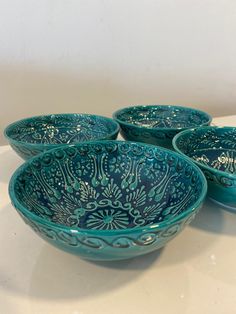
108,200
213,149
32,136
158,124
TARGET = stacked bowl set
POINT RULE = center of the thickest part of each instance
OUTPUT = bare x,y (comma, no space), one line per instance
89,194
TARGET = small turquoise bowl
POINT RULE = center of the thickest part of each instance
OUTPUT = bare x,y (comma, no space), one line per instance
158,124
213,149
108,200
31,136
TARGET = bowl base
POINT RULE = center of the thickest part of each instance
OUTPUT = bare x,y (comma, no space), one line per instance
225,206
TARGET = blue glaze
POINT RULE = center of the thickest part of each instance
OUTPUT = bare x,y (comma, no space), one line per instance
158,124
31,136
108,200
213,149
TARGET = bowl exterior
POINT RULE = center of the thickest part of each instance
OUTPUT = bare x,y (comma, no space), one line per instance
150,136
221,188
24,151
109,248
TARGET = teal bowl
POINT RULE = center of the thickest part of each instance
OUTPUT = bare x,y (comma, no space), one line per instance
108,200
158,124
31,136
213,149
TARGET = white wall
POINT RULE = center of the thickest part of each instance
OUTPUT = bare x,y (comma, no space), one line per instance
99,55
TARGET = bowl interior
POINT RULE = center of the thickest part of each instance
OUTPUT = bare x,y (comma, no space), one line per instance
163,117
109,185
61,129
210,146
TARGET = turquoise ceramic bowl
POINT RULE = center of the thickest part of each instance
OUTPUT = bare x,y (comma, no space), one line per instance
108,200
158,124
31,136
213,149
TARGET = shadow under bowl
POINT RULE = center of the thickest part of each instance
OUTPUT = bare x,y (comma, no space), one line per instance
108,200
213,149
31,136
158,124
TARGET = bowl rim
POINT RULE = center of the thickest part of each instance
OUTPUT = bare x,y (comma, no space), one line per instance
47,145
191,131
147,228
115,114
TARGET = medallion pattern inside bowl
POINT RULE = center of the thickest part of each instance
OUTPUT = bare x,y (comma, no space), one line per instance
108,190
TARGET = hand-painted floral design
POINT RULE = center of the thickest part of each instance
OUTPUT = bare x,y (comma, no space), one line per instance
31,136
74,219
214,150
211,146
102,214
61,129
117,164
108,187
162,116
112,191
138,197
107,219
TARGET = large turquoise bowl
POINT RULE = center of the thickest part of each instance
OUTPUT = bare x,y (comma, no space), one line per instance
213,149
31,136
108,200
158,124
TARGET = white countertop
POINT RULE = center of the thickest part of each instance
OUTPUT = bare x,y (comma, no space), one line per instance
195,273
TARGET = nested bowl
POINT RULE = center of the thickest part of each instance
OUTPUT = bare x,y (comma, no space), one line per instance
213,149
158,124
108,200
31,136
